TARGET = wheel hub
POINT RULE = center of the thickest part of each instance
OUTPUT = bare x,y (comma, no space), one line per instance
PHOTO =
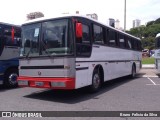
13,78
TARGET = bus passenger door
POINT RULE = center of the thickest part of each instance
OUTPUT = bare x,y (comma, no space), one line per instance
83,52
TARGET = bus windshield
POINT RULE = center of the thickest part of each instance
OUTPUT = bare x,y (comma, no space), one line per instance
46,38
157,41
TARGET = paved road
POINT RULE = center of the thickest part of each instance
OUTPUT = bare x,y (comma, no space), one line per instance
123,94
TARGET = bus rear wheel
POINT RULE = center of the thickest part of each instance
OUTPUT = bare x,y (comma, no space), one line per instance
96,81
11,78
133,74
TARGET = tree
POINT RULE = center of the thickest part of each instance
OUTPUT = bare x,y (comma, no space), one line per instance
147,33
150,23
157,21
34,15
148,43
138,31
152,30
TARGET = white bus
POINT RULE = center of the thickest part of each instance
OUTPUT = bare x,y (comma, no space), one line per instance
157,52
70,52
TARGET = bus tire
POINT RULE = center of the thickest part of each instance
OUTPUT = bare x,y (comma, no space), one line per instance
96,81
11,78
133,73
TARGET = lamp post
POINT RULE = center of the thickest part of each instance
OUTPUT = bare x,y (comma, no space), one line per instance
124,15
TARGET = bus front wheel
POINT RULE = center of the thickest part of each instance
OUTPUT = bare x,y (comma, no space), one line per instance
11,78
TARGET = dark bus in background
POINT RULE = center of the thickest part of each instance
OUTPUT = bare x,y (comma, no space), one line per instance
9,53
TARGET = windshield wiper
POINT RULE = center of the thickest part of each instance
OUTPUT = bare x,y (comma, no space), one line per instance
28,53
45,48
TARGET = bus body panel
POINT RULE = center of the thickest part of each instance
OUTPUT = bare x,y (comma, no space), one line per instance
47,71
115,63
5,65
9,53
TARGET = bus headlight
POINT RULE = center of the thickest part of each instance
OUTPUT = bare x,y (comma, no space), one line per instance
58,84
23,82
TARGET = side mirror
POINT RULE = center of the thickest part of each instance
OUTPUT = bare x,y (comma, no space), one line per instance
79,30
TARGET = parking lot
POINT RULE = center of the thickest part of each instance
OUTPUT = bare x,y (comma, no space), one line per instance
123,94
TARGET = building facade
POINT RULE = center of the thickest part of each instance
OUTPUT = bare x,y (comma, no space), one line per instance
117,24
94,16
112,22
136,23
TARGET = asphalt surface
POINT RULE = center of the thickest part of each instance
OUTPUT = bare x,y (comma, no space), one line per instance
123,94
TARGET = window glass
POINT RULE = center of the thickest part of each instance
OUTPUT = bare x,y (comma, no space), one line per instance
98,34
1,41
12,36
55,38
85,37
30,39
112,38
84,48
121,41
129,43
135,44
158,42
1,30
139,46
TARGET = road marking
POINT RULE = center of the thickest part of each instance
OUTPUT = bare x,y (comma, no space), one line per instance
151,81
149,76
152,84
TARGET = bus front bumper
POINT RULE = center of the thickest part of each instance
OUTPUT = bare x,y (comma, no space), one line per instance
53,83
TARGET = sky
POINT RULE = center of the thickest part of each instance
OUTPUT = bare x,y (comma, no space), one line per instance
15,11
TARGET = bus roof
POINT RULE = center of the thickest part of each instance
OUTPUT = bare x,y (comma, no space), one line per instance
75,15
158,35
3,23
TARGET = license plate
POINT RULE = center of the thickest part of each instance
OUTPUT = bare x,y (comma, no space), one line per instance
39,83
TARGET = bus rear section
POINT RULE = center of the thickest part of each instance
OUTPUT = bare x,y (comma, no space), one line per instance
9,53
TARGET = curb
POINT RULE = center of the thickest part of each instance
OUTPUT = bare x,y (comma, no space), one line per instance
148,66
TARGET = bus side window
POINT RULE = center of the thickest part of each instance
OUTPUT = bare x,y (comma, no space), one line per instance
83,48
98,34
121,41
85,34
12,36
106,32
112,38
139,46
17,36
128,43
1,41
135,44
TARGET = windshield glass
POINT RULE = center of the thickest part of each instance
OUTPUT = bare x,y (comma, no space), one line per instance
157,45
30,39
53,38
